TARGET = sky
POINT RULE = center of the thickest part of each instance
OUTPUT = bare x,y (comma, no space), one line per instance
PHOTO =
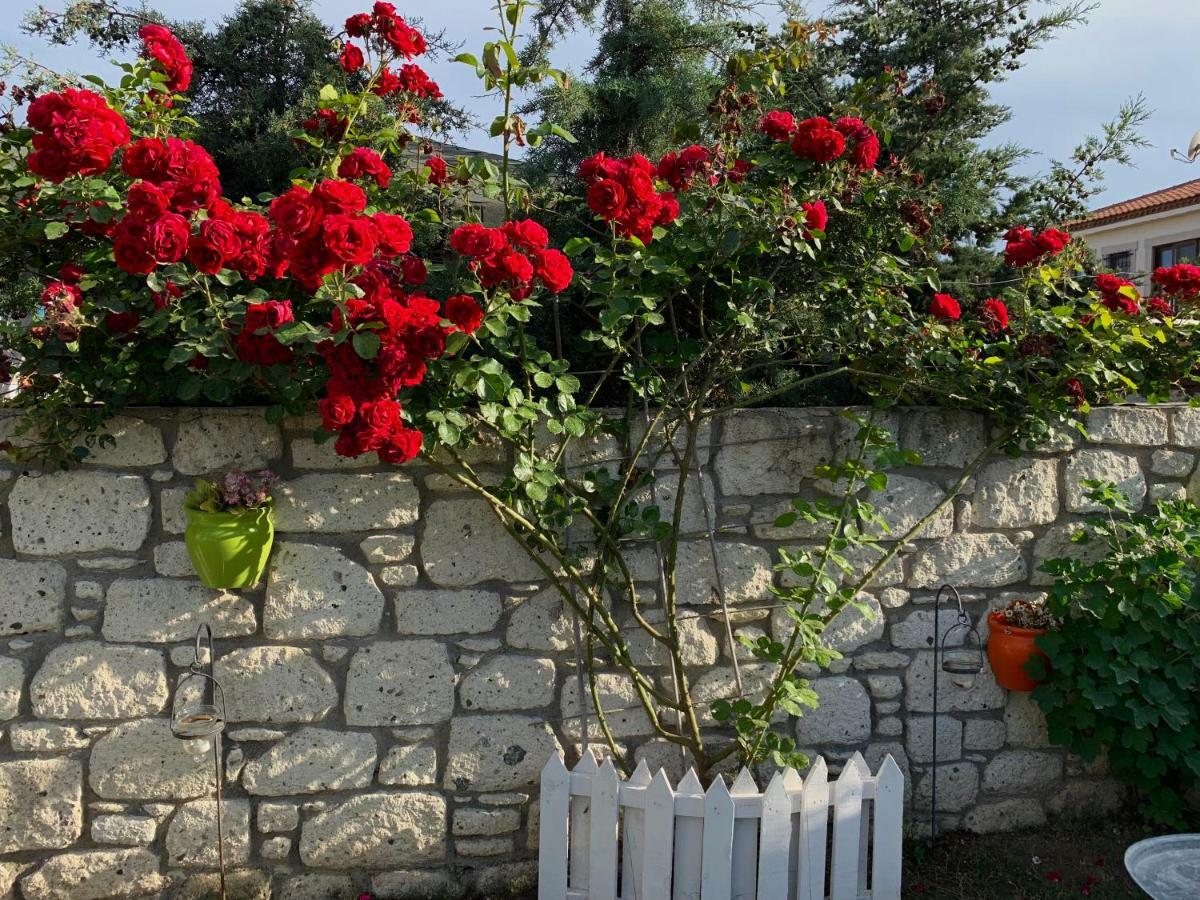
1065,91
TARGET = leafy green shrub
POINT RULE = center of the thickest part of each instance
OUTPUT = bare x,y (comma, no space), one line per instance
1123,676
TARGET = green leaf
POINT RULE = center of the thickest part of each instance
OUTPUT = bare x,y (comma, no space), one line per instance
55,230
328,94
366,344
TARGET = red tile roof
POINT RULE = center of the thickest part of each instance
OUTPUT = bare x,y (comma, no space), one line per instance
1181,195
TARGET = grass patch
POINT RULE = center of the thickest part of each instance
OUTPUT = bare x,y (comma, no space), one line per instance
1083,858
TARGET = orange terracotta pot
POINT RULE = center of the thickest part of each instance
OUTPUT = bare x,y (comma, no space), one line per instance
1009,649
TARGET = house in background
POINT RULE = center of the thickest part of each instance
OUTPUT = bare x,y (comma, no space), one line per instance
1135,237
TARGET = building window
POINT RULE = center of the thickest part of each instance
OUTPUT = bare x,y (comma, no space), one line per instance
1176,253
1120,262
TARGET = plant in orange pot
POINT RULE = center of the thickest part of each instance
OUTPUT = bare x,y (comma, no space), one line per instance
1012,631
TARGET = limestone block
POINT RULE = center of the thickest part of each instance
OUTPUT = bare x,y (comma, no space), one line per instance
957,788
1004,815
1127,425
1122,469
1056,543
918,680
124,831
508,682
143,760
1024,721
1015,493
1186,427
843,715
447,612
79,511
135,443
192,834
1172,463
172,560
12,676
308,454
970,560
163,610
849,630
316,592
409,765
464,543
1019,771
311,761
346,503
400,683
41,804
983,734
214,442
377,831
905,501
95,875
540,623
45,737
747,572
497,752
33,596
276,685
90,680
919,739
943,437
477,821
772,451
388,548
622,710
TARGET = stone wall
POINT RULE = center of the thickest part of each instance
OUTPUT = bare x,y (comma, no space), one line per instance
400,679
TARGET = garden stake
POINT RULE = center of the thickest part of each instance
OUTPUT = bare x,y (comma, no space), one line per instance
961,661
204,717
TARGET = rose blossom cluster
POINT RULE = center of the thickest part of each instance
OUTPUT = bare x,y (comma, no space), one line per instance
992,312
392,36
679,169
359,402
1181,281
1118,294
622,191
76,133
512,256
1024,247
823,141
167,55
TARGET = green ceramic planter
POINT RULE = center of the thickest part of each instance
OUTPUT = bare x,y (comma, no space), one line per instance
230,549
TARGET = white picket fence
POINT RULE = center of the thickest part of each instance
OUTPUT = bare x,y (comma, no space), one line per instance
602,838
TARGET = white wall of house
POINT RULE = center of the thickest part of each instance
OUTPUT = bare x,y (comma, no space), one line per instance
1140,236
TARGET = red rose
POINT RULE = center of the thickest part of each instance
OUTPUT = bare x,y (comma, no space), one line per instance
387,83
77,133
476,241
818,140
337,411
131,247
598,166
413,270
358,25
168,295
163,48
350,239
1159,306
264,349
864,149
168,237
1024,247
415,81
121,322
1181,281
669,211
1073,389
438,174
71,273
213,245
296,212
526,234
403,38
363,162
995,315
507,266
1052,241
395,234
340,196
148,201
816,217
403,445
351,59
379,418
778,125
946,307
1118,294
553,269
328,123
606,198
464,312
65,297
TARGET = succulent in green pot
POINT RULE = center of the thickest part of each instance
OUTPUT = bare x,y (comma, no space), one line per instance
230,528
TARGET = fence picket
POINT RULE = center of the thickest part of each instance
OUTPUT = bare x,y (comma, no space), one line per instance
775,842
580,833
601,839
633,839
716,880
552,829
847,807
660,839
602,878
814,818
689,843
887,845
744,859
